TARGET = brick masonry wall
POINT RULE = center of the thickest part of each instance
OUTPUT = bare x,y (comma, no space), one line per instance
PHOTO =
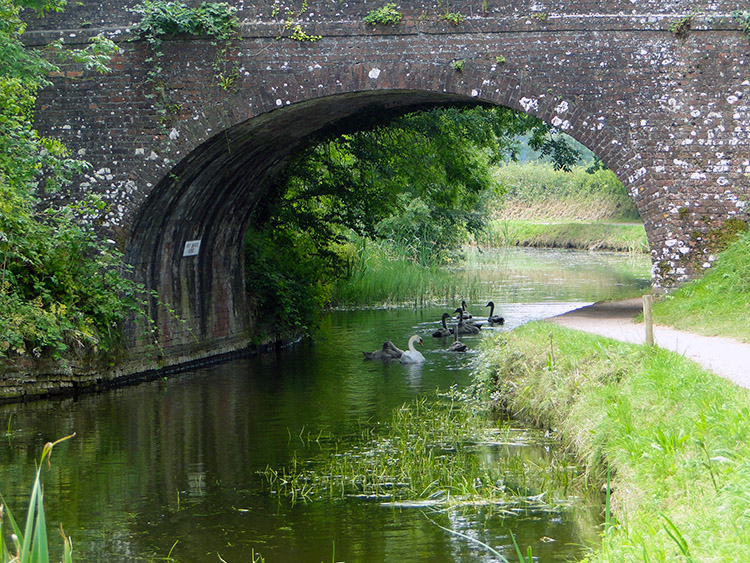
668,114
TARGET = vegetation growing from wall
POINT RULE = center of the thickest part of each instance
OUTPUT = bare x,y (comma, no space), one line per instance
161,18
61,284
386,15
743,18
453,17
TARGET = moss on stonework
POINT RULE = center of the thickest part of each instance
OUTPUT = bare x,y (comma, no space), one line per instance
716,240
703,244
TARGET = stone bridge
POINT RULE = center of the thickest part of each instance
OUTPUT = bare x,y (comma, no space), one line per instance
658,89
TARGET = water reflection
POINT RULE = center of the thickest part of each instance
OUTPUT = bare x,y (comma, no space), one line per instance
178,459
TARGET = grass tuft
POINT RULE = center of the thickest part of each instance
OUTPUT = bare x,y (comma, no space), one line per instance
30,545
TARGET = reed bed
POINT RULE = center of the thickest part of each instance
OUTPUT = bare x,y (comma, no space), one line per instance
536,191
379,274
429,456
675,438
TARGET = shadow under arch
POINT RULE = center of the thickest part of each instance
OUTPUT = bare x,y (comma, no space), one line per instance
210,194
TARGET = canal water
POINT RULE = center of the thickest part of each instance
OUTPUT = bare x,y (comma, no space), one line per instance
172,467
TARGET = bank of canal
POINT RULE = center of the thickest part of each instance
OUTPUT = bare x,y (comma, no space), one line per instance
182,459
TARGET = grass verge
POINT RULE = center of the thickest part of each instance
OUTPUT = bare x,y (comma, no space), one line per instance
618,237
675,438
718,304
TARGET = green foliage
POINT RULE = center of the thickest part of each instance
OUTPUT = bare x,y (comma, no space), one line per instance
299,35
30,545
743,18
159,18
458,65
558,149
60,282
286,278
387,15
453,17
290,23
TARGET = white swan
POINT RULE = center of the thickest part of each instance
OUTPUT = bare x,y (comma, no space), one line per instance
412,355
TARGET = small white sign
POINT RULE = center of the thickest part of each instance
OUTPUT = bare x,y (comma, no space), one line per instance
192,247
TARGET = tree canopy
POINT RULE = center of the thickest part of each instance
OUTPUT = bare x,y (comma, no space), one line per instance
420,181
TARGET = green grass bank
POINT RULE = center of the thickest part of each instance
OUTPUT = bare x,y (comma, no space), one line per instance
675,438
544,207
616,237
718,304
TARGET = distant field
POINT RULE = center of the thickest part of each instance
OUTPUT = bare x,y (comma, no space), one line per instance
618,237
535,191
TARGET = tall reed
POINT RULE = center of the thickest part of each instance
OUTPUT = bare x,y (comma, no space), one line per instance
30,545
379,273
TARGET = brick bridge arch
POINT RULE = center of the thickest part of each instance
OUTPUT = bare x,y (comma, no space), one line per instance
182,159
210,193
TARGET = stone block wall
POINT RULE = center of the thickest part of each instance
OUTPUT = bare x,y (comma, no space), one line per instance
186,156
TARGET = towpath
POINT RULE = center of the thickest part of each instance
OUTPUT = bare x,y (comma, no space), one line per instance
724,356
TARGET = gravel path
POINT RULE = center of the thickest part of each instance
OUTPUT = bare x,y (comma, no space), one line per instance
724,356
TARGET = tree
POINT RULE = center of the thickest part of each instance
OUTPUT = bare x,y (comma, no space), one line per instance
420,180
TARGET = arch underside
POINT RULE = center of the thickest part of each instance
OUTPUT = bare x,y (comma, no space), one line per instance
209,196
